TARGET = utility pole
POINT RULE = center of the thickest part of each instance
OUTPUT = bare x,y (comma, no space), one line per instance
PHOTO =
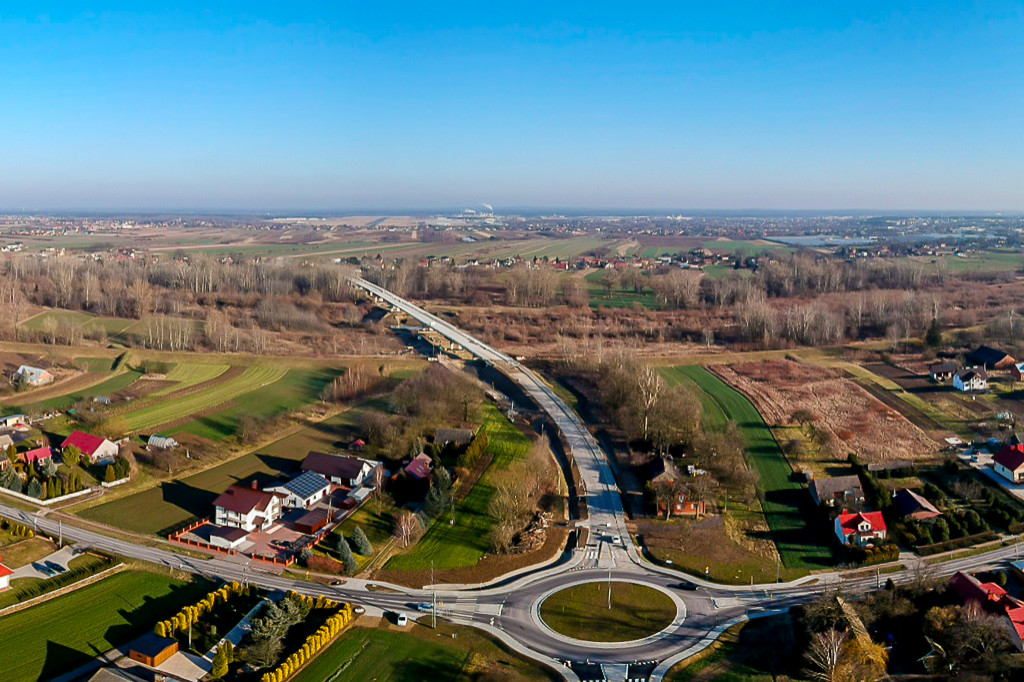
878,578
60,533
609,589
778,570
433,590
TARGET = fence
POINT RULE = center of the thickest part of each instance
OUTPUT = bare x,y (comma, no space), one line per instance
45,503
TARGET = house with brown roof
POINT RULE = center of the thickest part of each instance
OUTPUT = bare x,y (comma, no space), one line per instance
1009,463
987,357
910,505
345,470
943,371
248,508
967,380
842,491
419,467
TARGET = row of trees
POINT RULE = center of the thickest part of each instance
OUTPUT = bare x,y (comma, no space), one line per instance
276,624
190,615
518,494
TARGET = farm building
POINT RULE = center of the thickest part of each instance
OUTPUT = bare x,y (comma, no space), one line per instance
987,357
970,380
910,505
12,420
1017,371
843,491
456,437
943,371
152,649
96,448
248,508
162,442
1009,463
340,469
862,528
303,491
33,376
36,456
312,521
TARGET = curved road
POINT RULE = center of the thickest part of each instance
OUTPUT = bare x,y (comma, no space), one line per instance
509,609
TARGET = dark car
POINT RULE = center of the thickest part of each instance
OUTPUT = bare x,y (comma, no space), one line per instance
685,585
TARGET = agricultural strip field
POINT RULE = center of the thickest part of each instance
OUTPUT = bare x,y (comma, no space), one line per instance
162,412
186,375
62,634
465,542
295,390
173,503
786,503
115,383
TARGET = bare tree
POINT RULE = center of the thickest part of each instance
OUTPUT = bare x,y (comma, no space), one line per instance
407,528
825,654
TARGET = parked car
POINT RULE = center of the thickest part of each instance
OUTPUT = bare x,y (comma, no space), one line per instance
401,620
55,567
359,610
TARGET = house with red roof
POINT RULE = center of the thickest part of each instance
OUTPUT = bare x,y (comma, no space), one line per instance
5,577
861,529
96,448
1009,462
419,467
248,508
36,456
994,599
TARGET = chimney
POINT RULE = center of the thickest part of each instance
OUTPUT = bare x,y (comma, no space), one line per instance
255,485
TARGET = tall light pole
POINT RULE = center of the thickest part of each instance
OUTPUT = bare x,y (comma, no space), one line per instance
609,589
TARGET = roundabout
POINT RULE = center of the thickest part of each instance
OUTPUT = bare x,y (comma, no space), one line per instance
616,612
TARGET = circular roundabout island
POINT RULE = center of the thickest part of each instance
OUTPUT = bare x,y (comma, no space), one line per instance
582,611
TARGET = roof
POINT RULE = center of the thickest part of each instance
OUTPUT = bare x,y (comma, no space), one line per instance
968,374
662,469
229,533
987,356
86,442
4,571
419,467
152,644
243,500
827,488
850,522
1010,456
457,436
908,502
990,596
306,484
334,466
31,373
37,454
943,368
313,517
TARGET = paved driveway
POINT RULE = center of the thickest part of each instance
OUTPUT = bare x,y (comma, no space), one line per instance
62,557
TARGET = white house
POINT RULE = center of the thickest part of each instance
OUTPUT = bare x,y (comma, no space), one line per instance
5,577
96,448
344,470
303,491
247,508
970,380
864,528
33,376
1009,463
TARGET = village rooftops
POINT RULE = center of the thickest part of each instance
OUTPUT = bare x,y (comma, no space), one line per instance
333,466
989,358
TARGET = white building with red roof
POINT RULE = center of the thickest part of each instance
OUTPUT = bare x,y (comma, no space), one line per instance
1009,462
96,448
247,508
861,529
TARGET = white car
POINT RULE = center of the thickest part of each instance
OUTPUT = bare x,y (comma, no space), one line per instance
401,620
616,540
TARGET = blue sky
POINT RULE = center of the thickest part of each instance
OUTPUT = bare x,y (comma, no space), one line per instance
319,106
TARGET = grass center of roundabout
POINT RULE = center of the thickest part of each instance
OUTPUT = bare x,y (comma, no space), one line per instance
581,611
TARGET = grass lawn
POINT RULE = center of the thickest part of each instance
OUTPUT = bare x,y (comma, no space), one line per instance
582,612
760,650
296,389
162,412
115,383
618,298
414,654
463,543
174,502
64,633
187,374
786,503
23,552
376,526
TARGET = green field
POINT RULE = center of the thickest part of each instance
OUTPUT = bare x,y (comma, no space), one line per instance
582,612
187,374
619,298
465,542
62,634
786,503
984,261
117,382
162,412
295,390
110,325
174,502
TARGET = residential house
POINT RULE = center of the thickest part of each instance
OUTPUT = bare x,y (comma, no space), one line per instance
419,468
457,437
861,528
970,380
989,358
841,491
162,442
910,505
994,599
1009,463
303,491
663,471
33,376
943,371
1017,371
36,456
5,577
248,508
96,448
5,442
345,470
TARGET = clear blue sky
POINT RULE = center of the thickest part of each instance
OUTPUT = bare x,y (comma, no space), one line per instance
339,105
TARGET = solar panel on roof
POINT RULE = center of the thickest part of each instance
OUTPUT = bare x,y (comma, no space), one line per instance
306,484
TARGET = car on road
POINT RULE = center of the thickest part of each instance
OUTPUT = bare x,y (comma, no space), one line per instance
616,540
685,585
359,610
425,607
401,620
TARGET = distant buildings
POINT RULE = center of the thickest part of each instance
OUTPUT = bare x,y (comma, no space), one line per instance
970,380
33,376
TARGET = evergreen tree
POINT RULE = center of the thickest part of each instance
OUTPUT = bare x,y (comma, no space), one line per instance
111,475
361,542
220,663
35,489
933,337
347,558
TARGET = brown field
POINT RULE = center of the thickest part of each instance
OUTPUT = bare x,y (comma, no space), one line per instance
855,419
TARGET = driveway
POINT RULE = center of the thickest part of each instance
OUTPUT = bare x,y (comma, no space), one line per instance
62,557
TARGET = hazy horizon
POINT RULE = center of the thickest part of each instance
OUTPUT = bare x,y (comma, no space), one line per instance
247,108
